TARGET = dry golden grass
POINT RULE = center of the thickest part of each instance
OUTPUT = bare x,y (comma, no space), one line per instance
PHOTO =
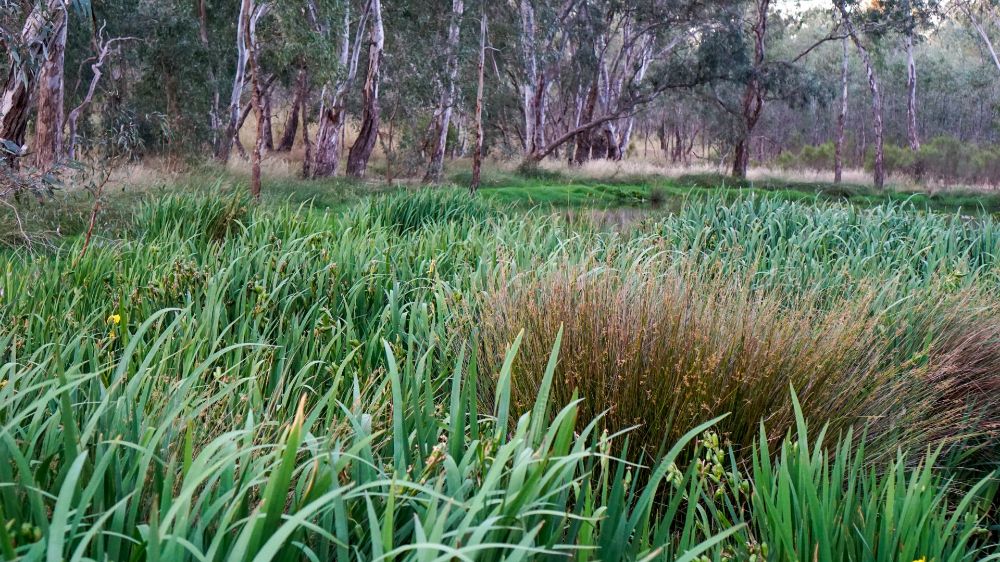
665,351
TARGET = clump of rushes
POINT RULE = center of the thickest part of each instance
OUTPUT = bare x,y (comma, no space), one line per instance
812,501
660,349
409,211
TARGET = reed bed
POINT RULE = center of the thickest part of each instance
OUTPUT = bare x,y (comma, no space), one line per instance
222,381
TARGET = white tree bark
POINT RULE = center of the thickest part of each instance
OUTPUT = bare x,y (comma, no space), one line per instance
477,155
879,173
361,150
911,95
443,116
982,35
243,22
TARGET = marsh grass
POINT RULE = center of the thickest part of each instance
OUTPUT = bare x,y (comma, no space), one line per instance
657,350
216,381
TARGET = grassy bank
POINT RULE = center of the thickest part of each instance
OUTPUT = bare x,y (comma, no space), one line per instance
422,376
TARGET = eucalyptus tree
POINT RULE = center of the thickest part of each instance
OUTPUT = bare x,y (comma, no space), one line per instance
908,18
35,75
364,144
442,117
344,24
848,11
982,14
242,54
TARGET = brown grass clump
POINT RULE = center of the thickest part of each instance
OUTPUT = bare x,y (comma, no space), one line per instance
663,351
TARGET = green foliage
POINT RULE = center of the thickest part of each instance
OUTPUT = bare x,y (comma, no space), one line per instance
812,498
408,211
218,381
943,159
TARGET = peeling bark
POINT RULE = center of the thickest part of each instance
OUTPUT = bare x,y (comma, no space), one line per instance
361,150
257,99
49,119
19,87
442,118
332,114
226,142
477,155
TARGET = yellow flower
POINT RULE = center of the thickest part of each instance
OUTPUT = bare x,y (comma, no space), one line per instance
921,559
115,319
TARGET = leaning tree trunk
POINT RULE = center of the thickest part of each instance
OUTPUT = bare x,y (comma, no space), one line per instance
226,142
443,117
477,155
879,174
982,35
49,119
911,95
16,98
838,153
753,97
97,72
361,150
292,123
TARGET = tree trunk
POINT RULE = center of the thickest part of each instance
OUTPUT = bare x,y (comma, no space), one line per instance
361,150
257,99
16,98
838,154
97,70
292,123
477,154
911,95
443,116
267,127
584,140
331,122
753,97
307,144
226,142
535,84
879,175
203,36
982,35
332,114
49,119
